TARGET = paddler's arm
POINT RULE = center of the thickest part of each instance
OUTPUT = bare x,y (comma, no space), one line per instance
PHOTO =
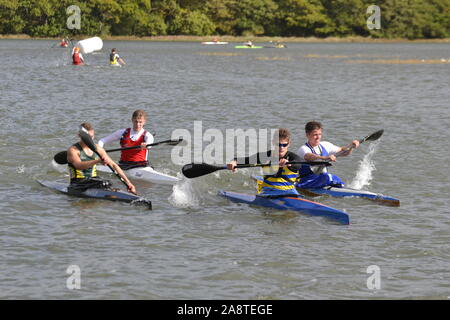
108,161
346,150
73,157
315,157
111,138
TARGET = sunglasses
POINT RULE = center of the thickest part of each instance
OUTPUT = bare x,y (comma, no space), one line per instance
283,145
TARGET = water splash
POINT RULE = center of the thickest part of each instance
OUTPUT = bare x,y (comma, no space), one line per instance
184,195
365,169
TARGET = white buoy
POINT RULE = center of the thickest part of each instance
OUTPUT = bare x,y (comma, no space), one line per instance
90,45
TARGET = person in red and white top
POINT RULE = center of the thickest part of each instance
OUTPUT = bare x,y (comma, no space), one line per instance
131,137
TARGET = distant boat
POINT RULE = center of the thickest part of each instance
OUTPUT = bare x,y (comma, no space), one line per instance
214,42
248,47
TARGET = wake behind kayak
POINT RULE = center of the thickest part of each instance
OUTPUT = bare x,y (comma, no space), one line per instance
96,193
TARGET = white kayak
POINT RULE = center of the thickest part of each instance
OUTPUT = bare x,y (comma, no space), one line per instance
145,173
214,42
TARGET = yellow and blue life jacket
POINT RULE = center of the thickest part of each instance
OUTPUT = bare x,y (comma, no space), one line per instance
86,173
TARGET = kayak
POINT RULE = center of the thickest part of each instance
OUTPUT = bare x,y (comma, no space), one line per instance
214,42
349,192
144,173
289,203
105,194
346,192
247,47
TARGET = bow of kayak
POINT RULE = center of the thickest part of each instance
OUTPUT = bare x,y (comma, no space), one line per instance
289,203
144,173
105,194
348,192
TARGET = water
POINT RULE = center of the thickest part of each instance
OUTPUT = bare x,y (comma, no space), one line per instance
195,245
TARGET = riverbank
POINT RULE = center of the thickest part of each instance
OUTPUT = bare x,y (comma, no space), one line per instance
255,39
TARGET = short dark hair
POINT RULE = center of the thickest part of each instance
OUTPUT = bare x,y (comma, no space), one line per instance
312,125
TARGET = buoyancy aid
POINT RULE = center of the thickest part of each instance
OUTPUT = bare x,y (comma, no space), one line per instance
132,155
86,173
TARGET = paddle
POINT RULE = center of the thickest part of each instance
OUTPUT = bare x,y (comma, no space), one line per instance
61,157
371,137
194,170
87,139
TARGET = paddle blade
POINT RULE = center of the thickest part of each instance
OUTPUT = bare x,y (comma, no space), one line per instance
194,170
374,136
61,157
87,139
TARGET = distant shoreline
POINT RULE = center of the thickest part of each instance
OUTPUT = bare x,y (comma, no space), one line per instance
254,39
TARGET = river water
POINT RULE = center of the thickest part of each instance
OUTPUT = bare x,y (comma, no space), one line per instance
194,244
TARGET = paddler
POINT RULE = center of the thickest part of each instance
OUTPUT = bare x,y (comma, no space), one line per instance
281,182
114,58
130,137
77,57
82,163
316,150
64,43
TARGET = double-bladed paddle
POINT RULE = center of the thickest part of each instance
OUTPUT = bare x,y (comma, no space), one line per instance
194,170
371,137
61,157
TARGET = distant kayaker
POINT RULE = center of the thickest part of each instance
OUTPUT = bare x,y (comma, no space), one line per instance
114,58
64,43
249,44
316,150
77,57
279,183
130,137
82,163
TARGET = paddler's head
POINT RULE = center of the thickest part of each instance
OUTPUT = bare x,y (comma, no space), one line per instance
113,50
139,118
76,49
284,141
89,128
313,131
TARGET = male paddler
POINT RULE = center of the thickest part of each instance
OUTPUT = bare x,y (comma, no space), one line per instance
281,182
316,150
132,137
114,58
82,163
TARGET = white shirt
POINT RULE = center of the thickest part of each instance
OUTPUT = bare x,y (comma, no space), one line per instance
331,148
149,139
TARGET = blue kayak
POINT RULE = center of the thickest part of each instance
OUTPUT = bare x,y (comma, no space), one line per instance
346,192
289,203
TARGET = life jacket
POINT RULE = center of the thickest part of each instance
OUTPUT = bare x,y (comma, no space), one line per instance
305,169
86,173
279,184
113,58
76,58
311,180
132,155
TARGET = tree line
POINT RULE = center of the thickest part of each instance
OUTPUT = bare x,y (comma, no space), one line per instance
411,19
